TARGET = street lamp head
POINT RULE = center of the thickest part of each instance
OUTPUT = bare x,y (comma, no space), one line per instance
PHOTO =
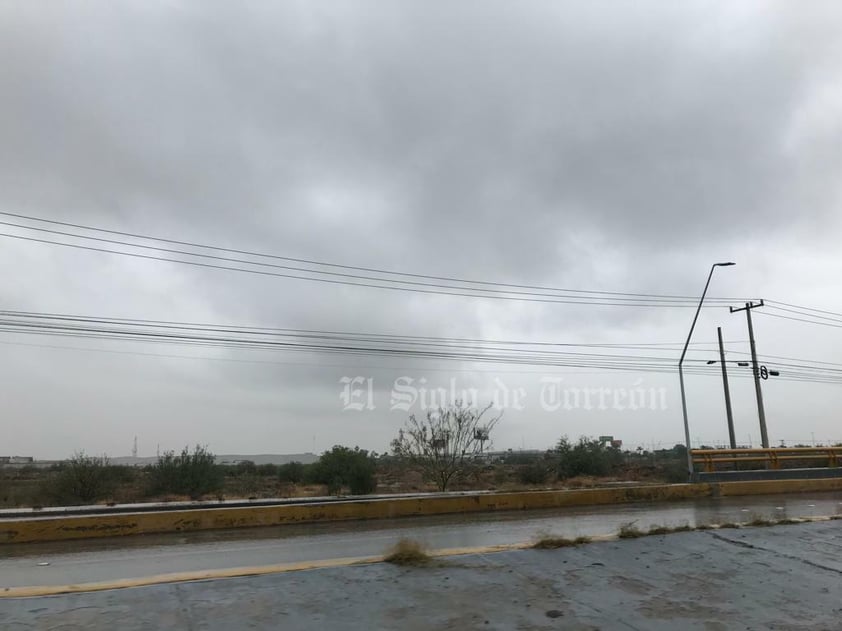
727,264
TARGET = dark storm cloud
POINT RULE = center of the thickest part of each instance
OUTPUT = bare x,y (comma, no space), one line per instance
574,144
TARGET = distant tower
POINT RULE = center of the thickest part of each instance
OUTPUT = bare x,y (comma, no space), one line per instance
134,448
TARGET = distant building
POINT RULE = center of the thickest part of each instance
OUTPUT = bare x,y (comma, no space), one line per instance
16,459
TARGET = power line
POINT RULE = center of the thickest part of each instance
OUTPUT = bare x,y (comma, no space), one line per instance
338,282
803,313
784,317
289,331
216,336
591,297
786,304
306,270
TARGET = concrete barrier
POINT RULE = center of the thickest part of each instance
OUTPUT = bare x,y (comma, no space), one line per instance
62,528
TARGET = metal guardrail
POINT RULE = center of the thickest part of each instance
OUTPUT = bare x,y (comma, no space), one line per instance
772,458
157,507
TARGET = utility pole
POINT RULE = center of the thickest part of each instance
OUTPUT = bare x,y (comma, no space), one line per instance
764,436
731,435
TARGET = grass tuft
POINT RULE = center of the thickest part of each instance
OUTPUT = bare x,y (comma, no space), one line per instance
668,530
551,542
408,552
659,530
630,531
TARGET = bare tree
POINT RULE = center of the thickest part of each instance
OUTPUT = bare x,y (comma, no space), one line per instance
445,441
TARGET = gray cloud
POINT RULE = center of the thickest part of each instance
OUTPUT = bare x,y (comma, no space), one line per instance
542,143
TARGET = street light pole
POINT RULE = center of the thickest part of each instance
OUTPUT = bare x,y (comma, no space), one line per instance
681,368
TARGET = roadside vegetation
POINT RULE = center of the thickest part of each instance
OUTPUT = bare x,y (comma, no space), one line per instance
194,474
408,552
553,542
630,530
446,450
445,443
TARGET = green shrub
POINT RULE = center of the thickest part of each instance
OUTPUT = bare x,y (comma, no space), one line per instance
193,474
587,457
342,467
268,470
534,473
291,472
84,479
245,467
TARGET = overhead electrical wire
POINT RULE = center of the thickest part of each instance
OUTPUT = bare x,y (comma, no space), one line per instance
805,320
803,308
387,279
462,349
368,344
288,331
805,313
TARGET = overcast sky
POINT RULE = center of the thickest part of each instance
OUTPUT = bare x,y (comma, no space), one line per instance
591,145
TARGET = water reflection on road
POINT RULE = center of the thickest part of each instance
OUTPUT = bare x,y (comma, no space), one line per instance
131,557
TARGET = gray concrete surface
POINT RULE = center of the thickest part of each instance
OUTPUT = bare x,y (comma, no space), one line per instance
133,557
783,577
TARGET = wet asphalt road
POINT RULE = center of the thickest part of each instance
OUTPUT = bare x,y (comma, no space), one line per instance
133,557
784,578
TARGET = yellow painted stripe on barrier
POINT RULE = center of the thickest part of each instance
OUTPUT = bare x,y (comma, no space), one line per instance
79,527
772,487
40,529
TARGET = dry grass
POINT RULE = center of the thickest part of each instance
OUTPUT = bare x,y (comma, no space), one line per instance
668,530
408,552
553,542
630,531
659,530
728,524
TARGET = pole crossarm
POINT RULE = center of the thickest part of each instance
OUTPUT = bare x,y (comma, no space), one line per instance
749,305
